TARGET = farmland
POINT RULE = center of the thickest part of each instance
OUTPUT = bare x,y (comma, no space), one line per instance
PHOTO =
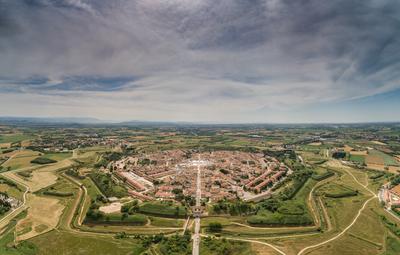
321,205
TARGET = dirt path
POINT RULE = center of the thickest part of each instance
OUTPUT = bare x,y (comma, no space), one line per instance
4,221
351,224
259,242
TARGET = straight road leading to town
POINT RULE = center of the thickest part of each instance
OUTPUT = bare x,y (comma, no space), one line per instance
196,236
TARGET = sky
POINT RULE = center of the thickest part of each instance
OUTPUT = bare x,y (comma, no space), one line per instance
225,61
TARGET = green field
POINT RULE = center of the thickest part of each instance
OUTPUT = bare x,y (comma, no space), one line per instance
6,247
14,138
21,159
388,160
334,190
93,190
295,221
80,244
166,222
392,246
58,156
213,246
357,158
120,219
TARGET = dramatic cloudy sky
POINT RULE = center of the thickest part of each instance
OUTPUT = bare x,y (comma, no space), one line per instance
201,60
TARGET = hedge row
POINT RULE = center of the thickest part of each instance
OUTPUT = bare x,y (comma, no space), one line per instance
116,219
277,219
163,209
322,176
376,176
58,193
43,161
343,194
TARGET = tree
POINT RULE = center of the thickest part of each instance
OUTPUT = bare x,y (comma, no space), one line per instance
215,227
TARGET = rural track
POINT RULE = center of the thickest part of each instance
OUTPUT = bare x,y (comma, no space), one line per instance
351,224
12,214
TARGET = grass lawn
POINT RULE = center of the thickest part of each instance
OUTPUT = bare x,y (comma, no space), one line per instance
163,209
392,245
58,156
225,221
21,159
24,248
212,246
92,189
79,244
367,236
166,222
335,190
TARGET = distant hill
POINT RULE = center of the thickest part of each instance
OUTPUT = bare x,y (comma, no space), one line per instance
83,121
49,120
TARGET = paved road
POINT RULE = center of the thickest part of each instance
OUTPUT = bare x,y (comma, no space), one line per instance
196,236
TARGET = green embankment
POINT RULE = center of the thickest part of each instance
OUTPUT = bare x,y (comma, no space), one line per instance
165,209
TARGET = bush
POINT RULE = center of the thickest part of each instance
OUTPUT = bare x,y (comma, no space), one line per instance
233,208
43,161
4,205
10,183
176,244
214,227
349,193
277,219
339,154
291,208
323,176
58,193
25,174
7,150
94,216
130,207
74,173
224,171
339,191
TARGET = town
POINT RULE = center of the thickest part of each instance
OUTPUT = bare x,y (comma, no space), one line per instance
227,175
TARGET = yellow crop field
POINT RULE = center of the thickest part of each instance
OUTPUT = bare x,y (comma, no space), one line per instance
43,215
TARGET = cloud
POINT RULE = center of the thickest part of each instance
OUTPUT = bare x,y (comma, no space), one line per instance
251,57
